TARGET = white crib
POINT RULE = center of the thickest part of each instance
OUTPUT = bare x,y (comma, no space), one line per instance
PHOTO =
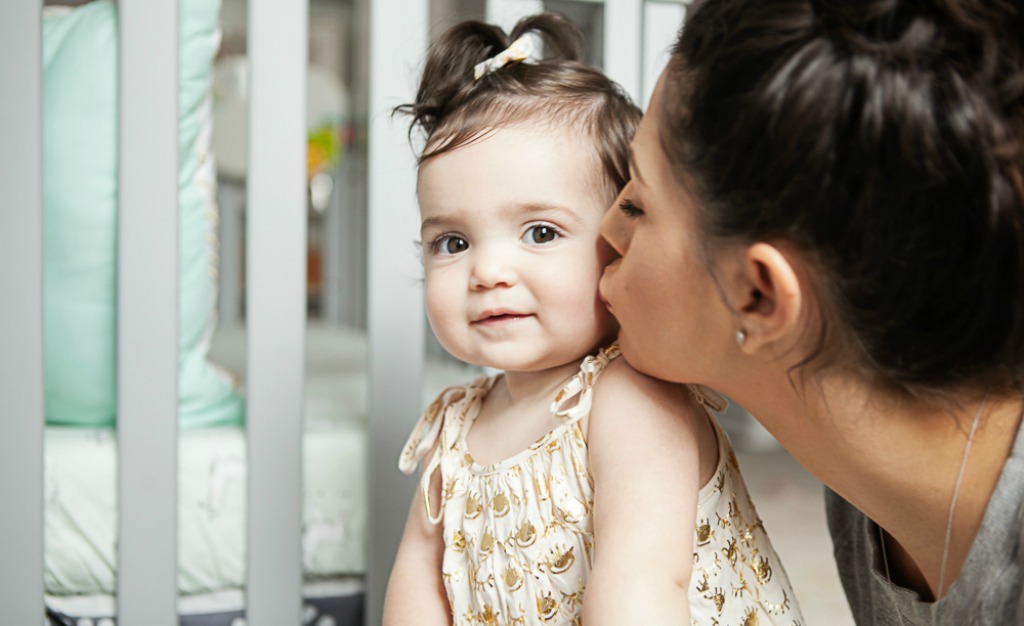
635,36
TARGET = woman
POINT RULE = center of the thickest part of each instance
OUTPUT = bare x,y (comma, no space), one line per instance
826,222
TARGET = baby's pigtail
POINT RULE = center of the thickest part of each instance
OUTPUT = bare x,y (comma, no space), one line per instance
562,39
447,78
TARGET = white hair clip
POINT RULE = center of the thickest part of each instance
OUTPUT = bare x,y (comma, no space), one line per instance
520,49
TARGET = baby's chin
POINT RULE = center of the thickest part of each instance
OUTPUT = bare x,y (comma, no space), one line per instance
523,361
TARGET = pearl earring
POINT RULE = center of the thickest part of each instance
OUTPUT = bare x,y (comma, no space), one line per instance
741,337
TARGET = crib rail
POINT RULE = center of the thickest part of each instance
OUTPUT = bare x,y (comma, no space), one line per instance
276,308
622,42
147,336
275,267
147,312
396,324
21,315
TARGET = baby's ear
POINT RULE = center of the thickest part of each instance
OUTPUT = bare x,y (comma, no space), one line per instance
769,299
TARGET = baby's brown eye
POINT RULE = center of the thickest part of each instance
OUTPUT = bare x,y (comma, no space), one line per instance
542,234
449,244
455,245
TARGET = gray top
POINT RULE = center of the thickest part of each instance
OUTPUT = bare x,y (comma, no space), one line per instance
988,589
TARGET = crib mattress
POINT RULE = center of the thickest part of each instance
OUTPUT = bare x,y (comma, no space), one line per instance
81,507
81,477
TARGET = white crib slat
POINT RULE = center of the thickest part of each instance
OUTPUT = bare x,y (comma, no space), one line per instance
662,21
148,313
395,296
623,28
21,314
276,307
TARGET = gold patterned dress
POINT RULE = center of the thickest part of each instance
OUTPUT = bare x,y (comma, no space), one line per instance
518,534
737,578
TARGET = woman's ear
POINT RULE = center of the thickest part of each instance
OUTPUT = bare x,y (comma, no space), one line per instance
768,299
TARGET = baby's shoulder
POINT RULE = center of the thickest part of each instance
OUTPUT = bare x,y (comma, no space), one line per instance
622,388
639,423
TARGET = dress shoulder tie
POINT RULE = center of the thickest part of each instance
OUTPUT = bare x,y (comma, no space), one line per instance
428,429
708,397
428,432
581,386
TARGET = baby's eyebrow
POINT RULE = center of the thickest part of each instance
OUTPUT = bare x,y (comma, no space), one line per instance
436,221
517,210
544,209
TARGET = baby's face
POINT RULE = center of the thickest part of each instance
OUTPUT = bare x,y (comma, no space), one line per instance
511,249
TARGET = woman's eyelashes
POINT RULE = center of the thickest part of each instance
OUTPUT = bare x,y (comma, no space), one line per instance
629,209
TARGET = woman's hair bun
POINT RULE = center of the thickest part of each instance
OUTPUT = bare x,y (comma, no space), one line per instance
884,139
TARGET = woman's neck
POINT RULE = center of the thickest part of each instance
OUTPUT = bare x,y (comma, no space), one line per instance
898,461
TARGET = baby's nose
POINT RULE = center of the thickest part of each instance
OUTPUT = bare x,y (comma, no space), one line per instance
492,269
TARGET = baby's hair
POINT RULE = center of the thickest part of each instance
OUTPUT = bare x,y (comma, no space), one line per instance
453,108
884,140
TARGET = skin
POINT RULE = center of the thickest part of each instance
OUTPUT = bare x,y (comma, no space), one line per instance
489,250
512,260
497,302
894,458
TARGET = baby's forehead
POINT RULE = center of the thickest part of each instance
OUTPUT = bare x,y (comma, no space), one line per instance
512,179
542,127
587,152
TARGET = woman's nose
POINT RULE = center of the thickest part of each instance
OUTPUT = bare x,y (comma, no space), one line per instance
616,229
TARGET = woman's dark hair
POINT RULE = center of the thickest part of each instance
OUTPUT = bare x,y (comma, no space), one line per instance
453,108
883,139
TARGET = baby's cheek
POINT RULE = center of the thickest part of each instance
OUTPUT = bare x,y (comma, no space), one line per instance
440,312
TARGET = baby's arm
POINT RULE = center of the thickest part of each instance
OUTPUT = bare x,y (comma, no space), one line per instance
645,461
416,592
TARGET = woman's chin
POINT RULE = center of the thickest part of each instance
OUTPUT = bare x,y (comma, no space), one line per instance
635,356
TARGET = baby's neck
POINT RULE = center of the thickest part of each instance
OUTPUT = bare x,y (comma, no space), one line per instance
516,412
517,388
